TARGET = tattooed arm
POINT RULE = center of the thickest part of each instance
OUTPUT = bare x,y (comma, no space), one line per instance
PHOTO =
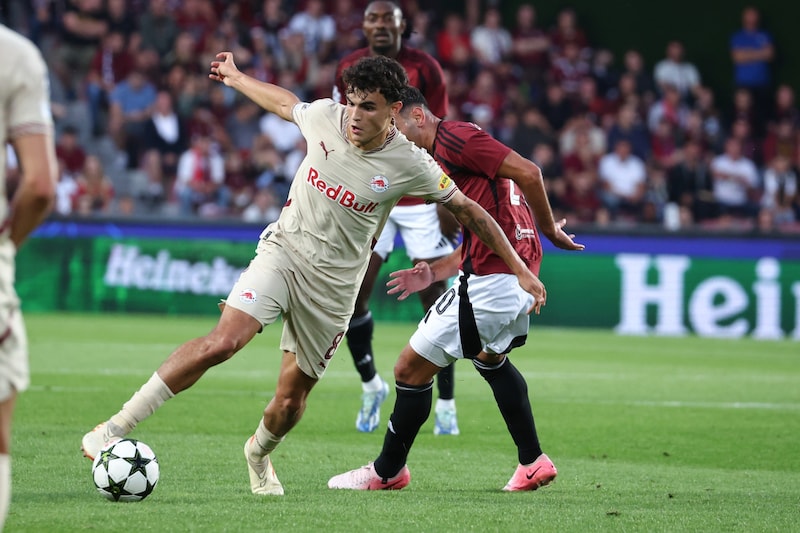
478,221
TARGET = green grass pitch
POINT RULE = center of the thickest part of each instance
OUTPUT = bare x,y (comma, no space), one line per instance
648,434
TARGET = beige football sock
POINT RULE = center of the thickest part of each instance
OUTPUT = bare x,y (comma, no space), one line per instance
5,487
264,442
142,404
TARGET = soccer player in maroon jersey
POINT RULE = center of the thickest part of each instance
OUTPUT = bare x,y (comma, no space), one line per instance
417,223
484,315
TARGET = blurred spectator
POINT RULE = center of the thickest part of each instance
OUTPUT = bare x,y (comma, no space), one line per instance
531,130
623,181
569,68
243,125
752,51
689,184
121,20
751,148
149,185
423,33
545,158
567,31
69,151
628,126
198,18
318,29
66,190
645,86
131,104
158,28
165,132
665,151
590,102
668,108
675,71
744,108
284,135
348,18
782,140
484,95
83,25
785,107
453,44
605,74
555,107
530,47
780,190
183,53
200,182
264,208
581,124
268,22
491,41
95,192
712,121
111,65
626,94
736,183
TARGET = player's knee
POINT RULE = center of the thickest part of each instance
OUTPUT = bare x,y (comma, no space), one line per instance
290,406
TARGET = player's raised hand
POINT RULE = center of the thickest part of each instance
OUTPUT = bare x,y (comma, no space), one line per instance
410,280
223,68
563,240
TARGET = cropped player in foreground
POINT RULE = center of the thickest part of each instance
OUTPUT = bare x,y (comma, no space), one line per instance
309,263
484,315
26,122
417,223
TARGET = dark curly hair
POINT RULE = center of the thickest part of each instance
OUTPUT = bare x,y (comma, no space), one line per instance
376,73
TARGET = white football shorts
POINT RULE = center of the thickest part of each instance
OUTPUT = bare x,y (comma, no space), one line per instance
476,313
419,228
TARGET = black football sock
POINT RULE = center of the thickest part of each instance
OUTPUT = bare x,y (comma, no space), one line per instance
445,382
359,340
411,410
511,393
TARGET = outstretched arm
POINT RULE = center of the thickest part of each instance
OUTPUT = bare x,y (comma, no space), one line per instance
481,223
271,97
528,177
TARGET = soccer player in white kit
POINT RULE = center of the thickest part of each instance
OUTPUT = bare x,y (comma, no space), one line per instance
484,315
309,263
25,122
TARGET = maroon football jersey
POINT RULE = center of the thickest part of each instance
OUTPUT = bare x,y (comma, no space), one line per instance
472,157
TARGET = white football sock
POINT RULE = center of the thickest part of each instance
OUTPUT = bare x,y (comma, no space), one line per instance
445,404
5,487
264,443
142,404
373,385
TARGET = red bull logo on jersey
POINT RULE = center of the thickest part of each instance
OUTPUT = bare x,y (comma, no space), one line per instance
379,183
339,194
248,296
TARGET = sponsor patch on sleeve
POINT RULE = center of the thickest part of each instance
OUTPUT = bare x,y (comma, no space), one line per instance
444,182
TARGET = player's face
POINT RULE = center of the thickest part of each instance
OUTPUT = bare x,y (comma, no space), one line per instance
369,117
383,25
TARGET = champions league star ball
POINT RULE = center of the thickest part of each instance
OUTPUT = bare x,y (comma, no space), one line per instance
125,471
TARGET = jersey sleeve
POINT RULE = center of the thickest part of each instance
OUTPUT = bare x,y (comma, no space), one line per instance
431,183
482,152
305,114
29,107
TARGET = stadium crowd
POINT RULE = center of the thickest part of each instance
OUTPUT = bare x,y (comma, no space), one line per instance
141,130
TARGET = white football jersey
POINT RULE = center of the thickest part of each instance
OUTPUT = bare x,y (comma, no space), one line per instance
341,195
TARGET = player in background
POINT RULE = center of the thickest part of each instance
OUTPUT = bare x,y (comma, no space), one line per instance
309,263
418,223
484,315
25,122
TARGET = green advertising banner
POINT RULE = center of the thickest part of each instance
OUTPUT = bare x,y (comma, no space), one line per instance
728,291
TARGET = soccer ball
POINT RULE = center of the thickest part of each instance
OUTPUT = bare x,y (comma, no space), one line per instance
125,471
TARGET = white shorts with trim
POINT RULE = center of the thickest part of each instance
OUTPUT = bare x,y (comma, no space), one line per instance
272,286
419,227
499,306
